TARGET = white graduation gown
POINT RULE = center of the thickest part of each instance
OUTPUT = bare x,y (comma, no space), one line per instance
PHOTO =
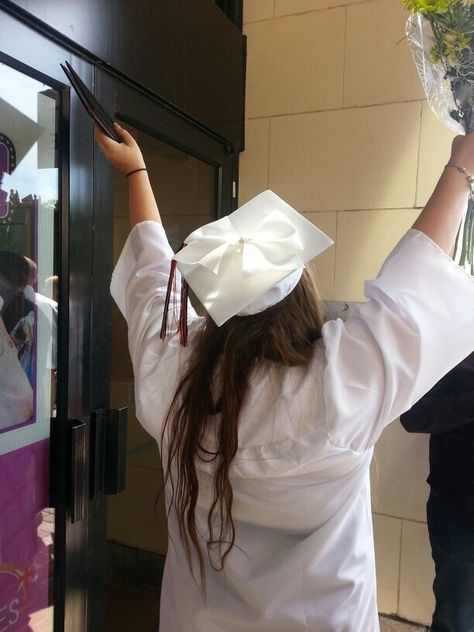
303,556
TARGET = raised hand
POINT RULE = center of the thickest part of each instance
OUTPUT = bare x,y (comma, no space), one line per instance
125,156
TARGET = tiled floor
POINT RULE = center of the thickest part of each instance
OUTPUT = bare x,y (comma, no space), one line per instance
391,625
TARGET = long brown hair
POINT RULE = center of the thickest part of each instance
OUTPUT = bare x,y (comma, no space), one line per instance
214,387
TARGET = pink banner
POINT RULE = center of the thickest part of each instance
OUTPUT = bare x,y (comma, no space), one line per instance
26,529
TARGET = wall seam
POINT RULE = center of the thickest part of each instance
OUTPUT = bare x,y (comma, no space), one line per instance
321,9
336,240
344,59
334,108
386,515
400,567
418,156
268,150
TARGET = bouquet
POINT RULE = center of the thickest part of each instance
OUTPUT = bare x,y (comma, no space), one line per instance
441,38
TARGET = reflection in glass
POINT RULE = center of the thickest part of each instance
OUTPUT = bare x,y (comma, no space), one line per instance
28,355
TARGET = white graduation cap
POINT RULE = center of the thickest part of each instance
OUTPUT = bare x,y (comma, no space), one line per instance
251,259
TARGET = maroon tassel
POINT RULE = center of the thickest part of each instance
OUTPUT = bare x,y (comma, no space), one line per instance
164,322
183,313
182,322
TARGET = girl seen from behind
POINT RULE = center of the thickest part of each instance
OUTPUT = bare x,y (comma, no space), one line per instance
266,418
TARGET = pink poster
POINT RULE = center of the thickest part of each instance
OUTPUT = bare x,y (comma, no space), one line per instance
25,536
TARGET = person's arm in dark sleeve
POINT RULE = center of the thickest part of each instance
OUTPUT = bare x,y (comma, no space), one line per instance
443,408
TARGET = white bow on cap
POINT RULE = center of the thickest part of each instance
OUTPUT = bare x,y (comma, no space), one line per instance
231,262
273,244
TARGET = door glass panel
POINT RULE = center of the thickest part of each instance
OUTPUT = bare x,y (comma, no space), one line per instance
185,188
28,329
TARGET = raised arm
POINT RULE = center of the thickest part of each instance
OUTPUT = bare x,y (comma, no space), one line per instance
442,215
127,157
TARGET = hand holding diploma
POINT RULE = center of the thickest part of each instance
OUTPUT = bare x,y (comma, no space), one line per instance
127,158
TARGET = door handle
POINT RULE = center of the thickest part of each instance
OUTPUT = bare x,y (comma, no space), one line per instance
97,452
79,482
108,451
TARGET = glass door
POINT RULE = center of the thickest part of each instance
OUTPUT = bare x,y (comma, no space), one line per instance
192,173
57,198
54,343
186,190
29,209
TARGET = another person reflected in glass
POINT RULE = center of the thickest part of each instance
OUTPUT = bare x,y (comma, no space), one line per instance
16,341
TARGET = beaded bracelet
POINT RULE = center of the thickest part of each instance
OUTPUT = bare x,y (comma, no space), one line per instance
465,172
135,171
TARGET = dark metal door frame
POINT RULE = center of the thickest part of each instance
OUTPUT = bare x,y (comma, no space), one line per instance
142,111
145,113
85,245
85,308
33,54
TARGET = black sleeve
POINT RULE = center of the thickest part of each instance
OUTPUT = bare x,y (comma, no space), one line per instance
444,408
440,414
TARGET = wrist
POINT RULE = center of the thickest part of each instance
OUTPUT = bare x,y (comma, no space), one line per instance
464,172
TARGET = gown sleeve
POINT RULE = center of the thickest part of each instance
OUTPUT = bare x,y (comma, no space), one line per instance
417,324
139,285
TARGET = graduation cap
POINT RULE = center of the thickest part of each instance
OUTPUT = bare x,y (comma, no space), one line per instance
247,261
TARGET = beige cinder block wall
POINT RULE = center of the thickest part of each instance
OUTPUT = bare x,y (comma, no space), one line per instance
337,124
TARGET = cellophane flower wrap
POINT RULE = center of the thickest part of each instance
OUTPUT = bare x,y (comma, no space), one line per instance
440,34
